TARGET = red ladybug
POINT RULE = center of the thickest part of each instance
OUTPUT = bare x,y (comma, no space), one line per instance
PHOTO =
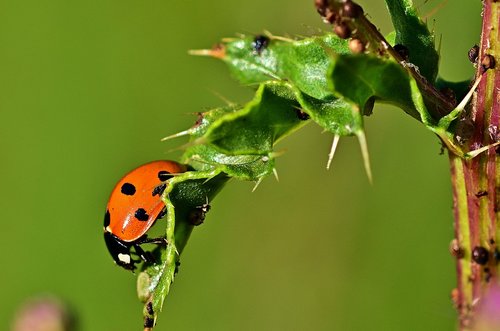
135,204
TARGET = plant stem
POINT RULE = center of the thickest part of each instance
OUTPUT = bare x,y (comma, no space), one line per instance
475,183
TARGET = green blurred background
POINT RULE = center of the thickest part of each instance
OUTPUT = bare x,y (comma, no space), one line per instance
88,88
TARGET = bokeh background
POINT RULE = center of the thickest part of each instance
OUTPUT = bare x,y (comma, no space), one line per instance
88,88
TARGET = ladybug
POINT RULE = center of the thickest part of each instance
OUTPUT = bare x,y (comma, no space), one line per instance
134,206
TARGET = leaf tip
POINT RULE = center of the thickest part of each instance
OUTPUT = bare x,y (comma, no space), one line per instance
366,156
335,142
218,51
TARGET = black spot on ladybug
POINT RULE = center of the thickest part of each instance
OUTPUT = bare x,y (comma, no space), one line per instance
141,215
473,53
164,175
149,322
128,189
480,255
149,308
107,219
158,190
260,43
403,51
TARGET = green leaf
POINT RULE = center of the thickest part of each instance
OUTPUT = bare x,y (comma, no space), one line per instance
362,79
303,62
187,193
300,66
239,141
413,33
259,125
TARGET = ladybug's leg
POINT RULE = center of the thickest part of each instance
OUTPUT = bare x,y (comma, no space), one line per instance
145,256
145,240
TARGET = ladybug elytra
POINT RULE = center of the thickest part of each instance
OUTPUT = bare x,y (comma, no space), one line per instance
134,206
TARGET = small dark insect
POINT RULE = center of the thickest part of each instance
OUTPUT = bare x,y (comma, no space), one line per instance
149,322
494,133
449,94
496,255
403,51
149,308
456,250
356,46
260,43
198,214
480,255
473,53
487,275
481,194
303,116
330,17
351,9
342,31
177,265
488,62
321,6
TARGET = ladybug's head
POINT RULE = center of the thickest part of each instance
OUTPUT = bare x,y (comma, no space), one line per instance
120,251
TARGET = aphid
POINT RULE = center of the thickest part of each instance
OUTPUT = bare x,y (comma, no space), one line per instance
351,9
260,43
449,94
177,265
456,250
356,46
473,53
321,6
455,296
342,30
149,308
481,194
480,255
488,62
487,275
149,322
197,215
496,256
301,115
403,51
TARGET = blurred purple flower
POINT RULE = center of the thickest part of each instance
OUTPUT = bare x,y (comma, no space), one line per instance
488,311
44,314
